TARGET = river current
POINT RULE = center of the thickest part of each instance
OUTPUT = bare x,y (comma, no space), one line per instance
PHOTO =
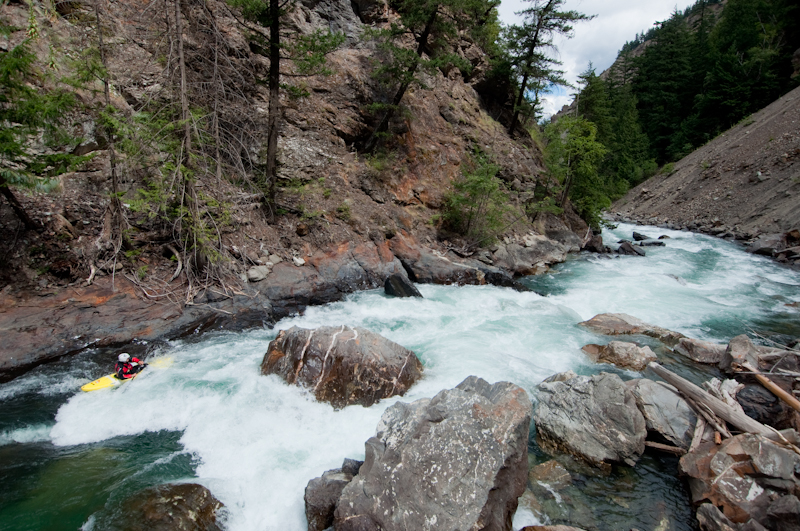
69,460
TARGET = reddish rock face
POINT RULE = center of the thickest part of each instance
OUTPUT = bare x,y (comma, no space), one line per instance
342,365
744,476
619,324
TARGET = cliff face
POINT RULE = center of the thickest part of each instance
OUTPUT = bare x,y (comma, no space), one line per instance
745,182
328,192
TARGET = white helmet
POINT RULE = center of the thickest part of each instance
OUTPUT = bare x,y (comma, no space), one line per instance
124,357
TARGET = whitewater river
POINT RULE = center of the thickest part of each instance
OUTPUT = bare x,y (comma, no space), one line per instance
69,460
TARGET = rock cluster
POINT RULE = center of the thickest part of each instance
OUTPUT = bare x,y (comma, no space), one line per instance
747,482
617,324
455,461
342,365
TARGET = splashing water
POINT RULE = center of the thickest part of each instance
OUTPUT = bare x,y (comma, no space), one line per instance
255,442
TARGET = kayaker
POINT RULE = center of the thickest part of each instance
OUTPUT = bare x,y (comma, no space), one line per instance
128,367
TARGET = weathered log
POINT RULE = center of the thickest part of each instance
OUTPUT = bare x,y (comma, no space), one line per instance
777,391
699,430
665,448
717,406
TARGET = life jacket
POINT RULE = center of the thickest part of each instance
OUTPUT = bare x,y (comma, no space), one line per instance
128,370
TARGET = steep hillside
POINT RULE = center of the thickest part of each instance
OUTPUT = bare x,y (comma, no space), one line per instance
742,184
327,192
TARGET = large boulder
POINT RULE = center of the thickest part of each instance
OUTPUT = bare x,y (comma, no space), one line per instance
323,493
184,507
665,412
619,324
456,461
700,351
624,355
342,365
533,256
746,476
594,418
763,406
630,250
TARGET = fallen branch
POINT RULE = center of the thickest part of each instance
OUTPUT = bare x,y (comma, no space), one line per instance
180,262
736,418
777,391
699,431
665,448
92,273
713,421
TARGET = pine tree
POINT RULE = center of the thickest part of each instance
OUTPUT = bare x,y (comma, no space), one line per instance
528,46
27,113
431,23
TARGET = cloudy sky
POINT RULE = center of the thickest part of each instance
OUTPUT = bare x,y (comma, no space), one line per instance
600,39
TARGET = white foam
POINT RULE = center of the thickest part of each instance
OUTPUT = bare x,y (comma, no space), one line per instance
259,441
28,434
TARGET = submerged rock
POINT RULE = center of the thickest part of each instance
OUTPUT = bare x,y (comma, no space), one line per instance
664,411
700,351
594,418
619,324
625,355
399,286
456,461
342,365
185,507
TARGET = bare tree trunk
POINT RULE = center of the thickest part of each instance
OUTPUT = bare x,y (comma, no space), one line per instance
16,206
274,100
383,125
117,223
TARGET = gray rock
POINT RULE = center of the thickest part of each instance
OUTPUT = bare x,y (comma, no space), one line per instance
638,237
594,418
184,507
767,244
258,273
399,286
700,351
630,250
664,411
763,406
712,519
651,243
323,493
784,514
456,461
595,245
535,257
625,355
740,350
617,324
342,365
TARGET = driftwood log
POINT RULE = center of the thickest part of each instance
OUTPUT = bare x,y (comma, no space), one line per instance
727,413
775,389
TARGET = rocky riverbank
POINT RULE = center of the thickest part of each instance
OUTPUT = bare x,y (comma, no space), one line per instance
115,310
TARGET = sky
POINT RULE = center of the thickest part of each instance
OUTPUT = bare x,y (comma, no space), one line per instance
599,39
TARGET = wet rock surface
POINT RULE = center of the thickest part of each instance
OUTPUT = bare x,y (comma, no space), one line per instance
665,412
593,418
624,355
399,286
619,324
342,365
455,461
323,493
185,507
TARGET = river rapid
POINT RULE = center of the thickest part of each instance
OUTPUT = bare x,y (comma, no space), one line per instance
69,460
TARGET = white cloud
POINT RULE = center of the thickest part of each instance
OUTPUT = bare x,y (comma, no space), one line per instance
599,39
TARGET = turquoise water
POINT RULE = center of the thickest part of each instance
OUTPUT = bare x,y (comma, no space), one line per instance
70,459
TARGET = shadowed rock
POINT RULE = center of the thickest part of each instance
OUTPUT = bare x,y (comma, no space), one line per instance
593,418
625,355
399,286
186,507
456,461
620,324
342,365
630,250
322,493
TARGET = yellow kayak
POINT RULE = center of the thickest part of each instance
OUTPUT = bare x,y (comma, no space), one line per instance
111,380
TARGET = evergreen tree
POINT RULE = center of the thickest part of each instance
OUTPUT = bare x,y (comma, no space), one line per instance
27,114
529,44
431,23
